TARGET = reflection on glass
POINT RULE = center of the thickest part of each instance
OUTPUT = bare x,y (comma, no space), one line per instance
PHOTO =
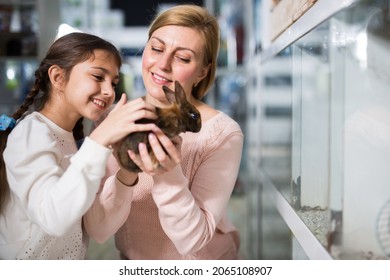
275,152
367,139
276,120
330,155
310,188
341,132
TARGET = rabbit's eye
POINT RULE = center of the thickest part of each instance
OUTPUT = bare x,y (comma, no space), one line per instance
194,116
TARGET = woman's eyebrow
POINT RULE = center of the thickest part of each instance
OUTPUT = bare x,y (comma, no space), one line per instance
178,48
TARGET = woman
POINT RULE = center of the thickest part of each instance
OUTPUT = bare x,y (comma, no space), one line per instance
179,210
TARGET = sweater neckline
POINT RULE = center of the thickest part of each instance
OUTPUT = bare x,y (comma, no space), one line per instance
51,124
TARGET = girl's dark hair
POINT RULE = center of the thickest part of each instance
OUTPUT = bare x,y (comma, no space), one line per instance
66,52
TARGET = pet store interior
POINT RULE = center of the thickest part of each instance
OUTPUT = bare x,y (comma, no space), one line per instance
308,82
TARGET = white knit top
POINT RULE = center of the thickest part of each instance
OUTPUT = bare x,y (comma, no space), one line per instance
52,185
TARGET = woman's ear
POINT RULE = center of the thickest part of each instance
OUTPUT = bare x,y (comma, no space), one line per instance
56,75
203,73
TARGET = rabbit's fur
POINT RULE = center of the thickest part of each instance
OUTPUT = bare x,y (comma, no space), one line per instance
180,116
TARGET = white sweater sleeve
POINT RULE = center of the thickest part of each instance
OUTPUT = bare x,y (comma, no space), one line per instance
55,189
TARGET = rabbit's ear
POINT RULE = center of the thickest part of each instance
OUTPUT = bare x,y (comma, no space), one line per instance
180,94
170,94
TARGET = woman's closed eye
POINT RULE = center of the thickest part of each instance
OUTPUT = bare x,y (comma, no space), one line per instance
156,49
183,59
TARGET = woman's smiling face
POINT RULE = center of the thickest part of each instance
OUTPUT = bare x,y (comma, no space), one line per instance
173,53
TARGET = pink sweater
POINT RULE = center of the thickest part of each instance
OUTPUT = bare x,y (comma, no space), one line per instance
181,214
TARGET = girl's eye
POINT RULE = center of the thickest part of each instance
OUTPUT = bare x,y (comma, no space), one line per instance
114,85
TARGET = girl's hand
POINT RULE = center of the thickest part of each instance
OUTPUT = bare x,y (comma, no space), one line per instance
121,121
167,152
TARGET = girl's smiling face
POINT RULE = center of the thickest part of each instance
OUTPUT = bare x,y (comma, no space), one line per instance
173,53
90,89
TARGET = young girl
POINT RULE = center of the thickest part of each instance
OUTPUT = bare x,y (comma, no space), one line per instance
47,183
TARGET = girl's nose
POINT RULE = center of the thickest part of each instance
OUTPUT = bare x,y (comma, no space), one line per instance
108,89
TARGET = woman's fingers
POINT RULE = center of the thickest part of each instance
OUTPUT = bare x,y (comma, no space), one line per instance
136,159
145,161
166,152
169,148
156,160
158,150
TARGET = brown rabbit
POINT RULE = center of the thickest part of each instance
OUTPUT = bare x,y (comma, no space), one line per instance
180,116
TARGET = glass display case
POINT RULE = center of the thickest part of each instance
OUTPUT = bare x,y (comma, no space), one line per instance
329,176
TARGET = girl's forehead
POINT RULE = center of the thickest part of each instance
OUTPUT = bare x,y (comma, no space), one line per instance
102,57
101,60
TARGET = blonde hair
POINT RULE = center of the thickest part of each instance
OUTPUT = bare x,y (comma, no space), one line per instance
198,18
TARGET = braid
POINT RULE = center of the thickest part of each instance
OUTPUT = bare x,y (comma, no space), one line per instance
30,98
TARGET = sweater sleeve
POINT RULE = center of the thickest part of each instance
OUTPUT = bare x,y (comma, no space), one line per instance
189,212
110,208
53,197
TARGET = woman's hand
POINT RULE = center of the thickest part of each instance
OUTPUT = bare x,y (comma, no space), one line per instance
121,121
167,152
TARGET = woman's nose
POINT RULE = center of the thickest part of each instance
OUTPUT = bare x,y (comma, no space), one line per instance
165,62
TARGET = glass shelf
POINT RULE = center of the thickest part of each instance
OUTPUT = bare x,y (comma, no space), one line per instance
331,169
